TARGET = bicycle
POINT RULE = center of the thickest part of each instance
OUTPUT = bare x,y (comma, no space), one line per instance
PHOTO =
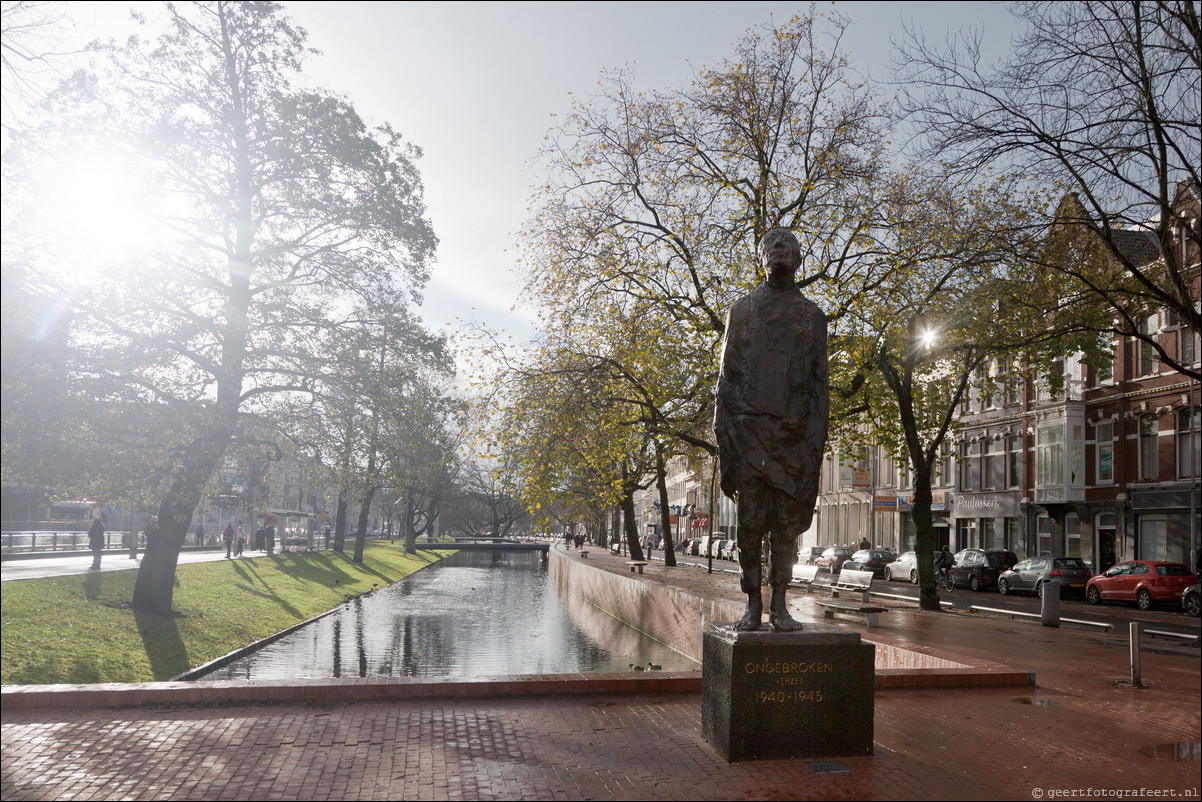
945,580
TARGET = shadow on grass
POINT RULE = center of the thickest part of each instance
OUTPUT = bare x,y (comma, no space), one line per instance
164,647
92,585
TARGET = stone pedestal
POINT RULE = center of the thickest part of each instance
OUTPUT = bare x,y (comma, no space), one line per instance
805,694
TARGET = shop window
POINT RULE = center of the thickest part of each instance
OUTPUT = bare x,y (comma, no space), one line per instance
1153,537
989,534
1149,448
1104,451
1014,536
1189,444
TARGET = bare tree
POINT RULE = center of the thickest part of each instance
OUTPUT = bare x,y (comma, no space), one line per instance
1103,99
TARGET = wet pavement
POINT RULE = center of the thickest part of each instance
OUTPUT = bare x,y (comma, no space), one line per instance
1081,731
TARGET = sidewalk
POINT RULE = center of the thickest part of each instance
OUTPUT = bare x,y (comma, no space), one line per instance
1080,728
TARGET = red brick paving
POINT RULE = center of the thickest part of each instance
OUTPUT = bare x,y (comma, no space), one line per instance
1080,728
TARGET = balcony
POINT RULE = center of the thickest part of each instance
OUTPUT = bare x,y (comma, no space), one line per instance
1073,390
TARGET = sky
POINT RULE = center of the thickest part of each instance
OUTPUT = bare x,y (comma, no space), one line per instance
476,85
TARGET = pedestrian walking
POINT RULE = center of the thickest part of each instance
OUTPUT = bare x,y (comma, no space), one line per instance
240,539
200,535
227,535
96,542
269,538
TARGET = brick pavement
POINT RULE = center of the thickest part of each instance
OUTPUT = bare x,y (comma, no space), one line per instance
1081,727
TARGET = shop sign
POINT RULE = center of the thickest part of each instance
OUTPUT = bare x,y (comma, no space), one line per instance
861,480
887,503
905,503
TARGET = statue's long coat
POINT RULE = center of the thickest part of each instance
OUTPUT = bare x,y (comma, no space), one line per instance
772,402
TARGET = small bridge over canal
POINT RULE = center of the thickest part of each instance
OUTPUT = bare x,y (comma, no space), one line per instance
490,545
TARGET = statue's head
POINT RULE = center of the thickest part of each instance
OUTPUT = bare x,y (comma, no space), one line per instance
780,256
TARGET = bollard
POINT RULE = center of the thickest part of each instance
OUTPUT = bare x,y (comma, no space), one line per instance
1136,679
1050,604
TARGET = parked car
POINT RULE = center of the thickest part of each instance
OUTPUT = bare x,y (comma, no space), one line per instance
1030,575
693,547
808,555
904,568
1191,601
979,569
1144,582
874,560
833,557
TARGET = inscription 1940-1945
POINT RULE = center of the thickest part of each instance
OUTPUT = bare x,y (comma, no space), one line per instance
788,674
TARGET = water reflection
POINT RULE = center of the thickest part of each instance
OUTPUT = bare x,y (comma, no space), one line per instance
476,614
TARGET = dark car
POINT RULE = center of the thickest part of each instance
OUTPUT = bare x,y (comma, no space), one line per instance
980,568
1144,582
833,558
1029,576
1191,601
874,560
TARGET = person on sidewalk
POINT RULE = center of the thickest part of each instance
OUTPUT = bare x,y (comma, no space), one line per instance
227,535
96,542
240,543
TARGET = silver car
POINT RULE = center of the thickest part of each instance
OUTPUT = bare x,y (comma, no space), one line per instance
1029,576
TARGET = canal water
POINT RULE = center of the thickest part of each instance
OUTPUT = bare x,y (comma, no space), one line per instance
475,614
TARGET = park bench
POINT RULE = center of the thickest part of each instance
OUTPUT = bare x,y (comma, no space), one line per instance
851,582
583,553
637,565
805,575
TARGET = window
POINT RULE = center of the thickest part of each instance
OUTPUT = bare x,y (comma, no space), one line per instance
985,383
1189,442
1013,535
989,459
1153,538
1043,532
1013,386
1149,448
1104,437
945,465
1147,360
1014,461
1076,445
1187,338
989,534
1072,535
1049,456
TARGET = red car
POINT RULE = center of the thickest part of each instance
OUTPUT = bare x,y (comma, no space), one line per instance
1144,582
833,558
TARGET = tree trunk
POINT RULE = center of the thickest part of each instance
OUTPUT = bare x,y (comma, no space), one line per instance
154,587
410,534
924,536
340,521
364,513
665,514
632,531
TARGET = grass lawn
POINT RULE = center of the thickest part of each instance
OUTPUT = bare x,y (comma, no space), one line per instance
80,629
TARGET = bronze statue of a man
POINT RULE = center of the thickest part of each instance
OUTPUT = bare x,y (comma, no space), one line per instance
770,419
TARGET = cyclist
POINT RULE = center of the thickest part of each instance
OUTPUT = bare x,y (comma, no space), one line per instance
943,564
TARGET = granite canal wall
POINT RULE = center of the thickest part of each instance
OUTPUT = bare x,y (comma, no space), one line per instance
679,617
